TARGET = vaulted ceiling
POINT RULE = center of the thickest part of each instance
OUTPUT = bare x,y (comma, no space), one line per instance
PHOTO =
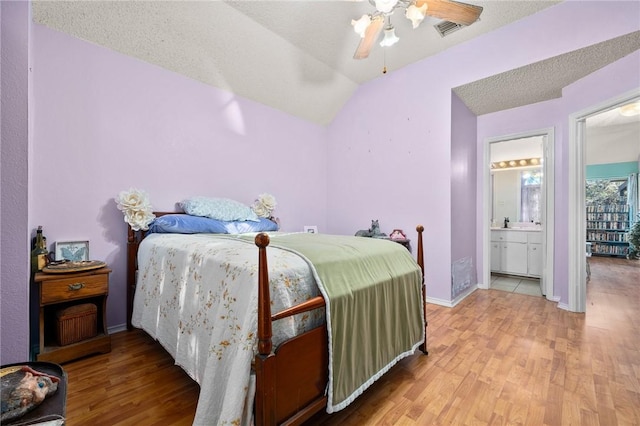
297,56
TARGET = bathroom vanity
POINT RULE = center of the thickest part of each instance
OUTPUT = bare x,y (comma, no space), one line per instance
517,251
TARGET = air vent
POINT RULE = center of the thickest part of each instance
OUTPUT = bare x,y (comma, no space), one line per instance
445,28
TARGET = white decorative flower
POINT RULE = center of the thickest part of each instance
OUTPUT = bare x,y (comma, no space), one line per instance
260,210
136,208
264,205
139,219
133,199
268,201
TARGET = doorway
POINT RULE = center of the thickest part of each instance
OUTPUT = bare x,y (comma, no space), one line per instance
577,213
546,275
516,215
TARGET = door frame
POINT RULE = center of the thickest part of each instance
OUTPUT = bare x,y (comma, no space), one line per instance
577,260
548,234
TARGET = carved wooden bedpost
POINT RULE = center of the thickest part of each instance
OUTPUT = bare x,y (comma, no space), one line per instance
265,366
134,238
133,241
420,257
264,298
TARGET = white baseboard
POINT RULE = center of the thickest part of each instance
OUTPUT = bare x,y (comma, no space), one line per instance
117,328
451,303
440,302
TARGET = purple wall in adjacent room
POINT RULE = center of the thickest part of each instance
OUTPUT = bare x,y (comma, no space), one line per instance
105,122
463,184
14,171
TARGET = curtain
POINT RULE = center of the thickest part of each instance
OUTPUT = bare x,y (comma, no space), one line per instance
530,196
531,203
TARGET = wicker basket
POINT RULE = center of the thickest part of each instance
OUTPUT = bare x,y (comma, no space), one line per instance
76,323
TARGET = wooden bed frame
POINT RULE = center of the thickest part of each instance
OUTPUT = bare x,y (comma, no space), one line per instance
290,379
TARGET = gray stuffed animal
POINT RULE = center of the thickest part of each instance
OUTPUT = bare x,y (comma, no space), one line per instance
373,232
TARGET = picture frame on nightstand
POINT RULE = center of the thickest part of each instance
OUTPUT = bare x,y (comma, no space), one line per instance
75,251
311,229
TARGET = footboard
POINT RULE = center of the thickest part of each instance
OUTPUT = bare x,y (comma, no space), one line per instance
291,380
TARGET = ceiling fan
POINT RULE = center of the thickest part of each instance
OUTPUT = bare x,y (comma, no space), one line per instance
369,26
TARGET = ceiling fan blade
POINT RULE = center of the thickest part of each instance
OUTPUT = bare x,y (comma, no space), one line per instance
460,13
370,37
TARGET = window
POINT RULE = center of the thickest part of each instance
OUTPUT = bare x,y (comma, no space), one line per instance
606,191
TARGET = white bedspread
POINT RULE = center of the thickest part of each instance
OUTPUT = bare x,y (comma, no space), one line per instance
198,296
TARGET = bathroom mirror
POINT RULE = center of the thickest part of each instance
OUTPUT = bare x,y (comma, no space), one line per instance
516,181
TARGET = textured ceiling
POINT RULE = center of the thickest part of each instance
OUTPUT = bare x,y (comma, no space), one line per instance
296,56
543,80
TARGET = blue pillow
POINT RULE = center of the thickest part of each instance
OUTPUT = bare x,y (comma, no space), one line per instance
187,224
218,208
244,226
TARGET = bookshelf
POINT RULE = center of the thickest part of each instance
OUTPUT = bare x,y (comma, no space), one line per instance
607,229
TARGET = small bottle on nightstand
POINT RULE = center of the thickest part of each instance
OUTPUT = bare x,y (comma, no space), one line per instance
39,252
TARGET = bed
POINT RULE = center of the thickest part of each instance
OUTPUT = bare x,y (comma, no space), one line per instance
286,364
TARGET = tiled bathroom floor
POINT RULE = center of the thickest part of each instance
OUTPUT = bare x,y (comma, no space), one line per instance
516,285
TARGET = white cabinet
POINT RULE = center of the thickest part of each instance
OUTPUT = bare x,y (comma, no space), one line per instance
496,257
534,259
516,252
534,240
497,238
514,258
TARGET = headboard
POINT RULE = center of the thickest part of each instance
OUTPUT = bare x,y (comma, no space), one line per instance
133,241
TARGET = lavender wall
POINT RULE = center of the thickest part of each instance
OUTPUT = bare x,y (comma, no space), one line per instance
105,122
389,153
389,158
463,184
14,246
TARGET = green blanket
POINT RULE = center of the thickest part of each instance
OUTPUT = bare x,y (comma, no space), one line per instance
374,306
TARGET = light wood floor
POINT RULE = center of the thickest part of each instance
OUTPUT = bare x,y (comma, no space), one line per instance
496,358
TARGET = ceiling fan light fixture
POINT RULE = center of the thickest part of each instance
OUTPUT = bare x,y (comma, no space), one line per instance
416,14
360,25
629,110
369,27
385,6
390,37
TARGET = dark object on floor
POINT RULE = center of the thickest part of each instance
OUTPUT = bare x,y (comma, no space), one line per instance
32,391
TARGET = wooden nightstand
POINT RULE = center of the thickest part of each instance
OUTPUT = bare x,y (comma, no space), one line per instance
59,291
